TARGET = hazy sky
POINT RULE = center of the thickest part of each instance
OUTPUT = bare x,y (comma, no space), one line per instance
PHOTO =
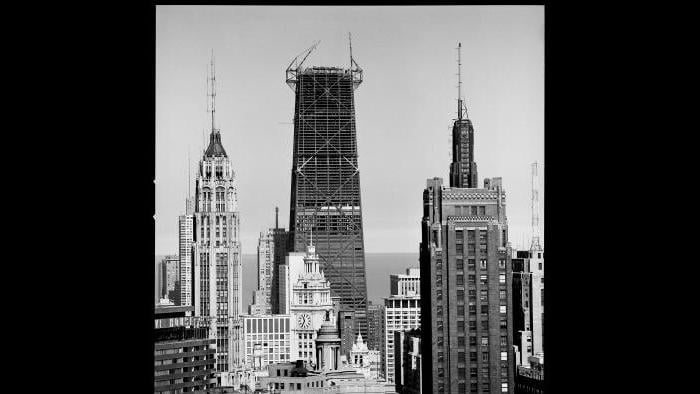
404,108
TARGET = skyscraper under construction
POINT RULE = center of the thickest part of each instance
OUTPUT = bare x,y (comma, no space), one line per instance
325,193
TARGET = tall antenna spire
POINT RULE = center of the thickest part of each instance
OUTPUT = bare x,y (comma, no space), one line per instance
535,243
212,91
459,81
189,167
350,42
277,214
461,107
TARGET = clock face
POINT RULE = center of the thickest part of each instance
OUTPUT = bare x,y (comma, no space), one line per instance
304,321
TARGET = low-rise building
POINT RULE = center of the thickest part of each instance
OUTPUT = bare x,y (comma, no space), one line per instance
530,378
364,360
264,340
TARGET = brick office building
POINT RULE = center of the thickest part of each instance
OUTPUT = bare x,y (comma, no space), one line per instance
466,276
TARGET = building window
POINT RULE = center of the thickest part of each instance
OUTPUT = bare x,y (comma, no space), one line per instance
461,357
502,278
501,264
460,280
484,309
484,341
460,293
461,342
502,294
482,263
472,279
441,372
485,357
504,341
460,326
502,309
483,279
542,297
504,387
460,264
462,374
482,210
484,295
471,264
459,249
504,356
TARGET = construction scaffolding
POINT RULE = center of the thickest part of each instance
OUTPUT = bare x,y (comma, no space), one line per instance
325,195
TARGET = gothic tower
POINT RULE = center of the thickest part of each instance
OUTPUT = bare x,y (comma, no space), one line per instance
216,254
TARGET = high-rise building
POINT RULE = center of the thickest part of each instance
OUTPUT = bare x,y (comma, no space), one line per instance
325,190
217,260
266,250
184,353
528,304
409,362
522,317
185,241
158,288
466,272
280,239
375,329
259,305
402,311
347,330
170,267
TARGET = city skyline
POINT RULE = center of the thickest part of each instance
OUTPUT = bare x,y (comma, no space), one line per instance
505,79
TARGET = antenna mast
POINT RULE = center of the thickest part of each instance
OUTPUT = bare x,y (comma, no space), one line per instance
459,81
535,243
189,167
212,92
350,42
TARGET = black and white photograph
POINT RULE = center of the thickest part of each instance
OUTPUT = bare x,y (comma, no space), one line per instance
349,199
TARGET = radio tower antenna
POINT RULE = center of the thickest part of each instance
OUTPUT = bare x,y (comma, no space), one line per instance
461,107
535,243
212,91
350,43
189,167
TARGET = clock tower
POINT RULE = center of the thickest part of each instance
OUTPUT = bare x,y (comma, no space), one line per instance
310,303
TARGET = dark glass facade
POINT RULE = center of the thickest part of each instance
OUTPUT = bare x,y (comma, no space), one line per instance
325,189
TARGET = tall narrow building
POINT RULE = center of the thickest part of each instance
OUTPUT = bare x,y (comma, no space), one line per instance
185,241
402,313
325,190
216,254
266,256
466,275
